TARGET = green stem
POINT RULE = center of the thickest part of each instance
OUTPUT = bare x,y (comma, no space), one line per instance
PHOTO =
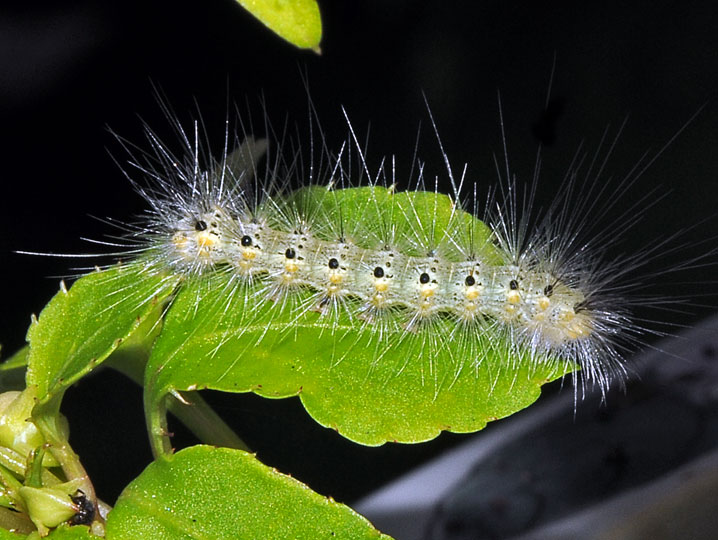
45,416
195,413
189,408
156,418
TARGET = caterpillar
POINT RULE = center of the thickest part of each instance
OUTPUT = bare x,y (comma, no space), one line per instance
350,253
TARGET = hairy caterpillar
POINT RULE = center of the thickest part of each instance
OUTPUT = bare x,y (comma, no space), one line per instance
365,262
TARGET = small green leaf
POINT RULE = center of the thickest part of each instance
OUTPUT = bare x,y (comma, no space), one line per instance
80,327
297,21
219,493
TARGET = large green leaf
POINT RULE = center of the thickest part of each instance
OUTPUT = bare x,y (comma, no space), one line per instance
217,493
372,383
398,397
297,21
81,326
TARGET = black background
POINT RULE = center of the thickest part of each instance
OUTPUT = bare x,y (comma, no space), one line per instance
68,70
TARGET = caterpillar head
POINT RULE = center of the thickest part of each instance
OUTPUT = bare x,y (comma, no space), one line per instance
556,313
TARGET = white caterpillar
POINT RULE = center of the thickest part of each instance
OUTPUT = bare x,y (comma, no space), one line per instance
400,265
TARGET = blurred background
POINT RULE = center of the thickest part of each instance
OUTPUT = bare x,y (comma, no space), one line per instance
69,70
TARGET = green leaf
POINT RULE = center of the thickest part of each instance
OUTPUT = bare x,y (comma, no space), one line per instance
217,493
297,21
371,214
371,383
7,535
74,532
80,327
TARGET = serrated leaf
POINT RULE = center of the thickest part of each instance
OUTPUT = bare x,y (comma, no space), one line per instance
219,493
372,383
81,326
297,21
367,400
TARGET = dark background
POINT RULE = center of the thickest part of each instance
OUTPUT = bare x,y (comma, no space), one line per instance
68,70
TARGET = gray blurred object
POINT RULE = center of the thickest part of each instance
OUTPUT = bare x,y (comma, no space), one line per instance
644,465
